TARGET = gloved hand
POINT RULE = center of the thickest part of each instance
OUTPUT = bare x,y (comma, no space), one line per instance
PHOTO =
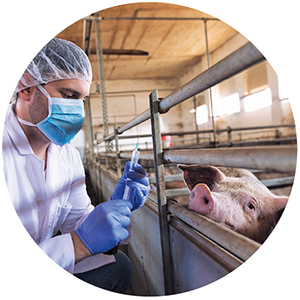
138,183
104,228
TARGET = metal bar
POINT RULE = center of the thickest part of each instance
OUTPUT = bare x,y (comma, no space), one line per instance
269,183
278,182
151,18
235,243
262,127
229,135
263,142
147,155
161,196
210,99
278,158
199,131
177,192
196,124
225,259
125,52
84,36
118,160
108,144
144,116
88,128
226,129
87,36
169,178
210,130
236,62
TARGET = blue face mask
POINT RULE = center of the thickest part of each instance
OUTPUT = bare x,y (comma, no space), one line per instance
64,120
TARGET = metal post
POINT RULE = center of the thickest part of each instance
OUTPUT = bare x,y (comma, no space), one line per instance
89,128
108,144
195,108
118,160
229,135
210,91
161,196
87,32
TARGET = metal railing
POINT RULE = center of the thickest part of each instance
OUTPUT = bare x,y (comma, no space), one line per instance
266,157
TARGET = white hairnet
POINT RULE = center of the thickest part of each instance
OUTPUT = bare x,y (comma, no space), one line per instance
59,59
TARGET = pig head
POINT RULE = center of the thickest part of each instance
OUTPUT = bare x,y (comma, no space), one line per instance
234,198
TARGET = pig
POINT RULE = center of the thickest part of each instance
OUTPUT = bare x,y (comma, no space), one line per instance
235,198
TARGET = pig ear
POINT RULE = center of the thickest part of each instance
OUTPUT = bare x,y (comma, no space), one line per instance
237,173
280,204
195,174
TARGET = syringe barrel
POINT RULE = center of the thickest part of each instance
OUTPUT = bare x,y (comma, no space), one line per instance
134,158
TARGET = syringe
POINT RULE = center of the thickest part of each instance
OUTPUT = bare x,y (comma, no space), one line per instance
134,160
126,195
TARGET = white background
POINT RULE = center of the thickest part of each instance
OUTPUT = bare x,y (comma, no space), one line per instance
272,26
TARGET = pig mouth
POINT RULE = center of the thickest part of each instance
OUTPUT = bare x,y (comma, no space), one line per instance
229,225
224,223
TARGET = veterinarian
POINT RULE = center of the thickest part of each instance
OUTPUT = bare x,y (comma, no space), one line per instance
45,176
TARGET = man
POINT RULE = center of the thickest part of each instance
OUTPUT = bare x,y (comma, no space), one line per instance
45,176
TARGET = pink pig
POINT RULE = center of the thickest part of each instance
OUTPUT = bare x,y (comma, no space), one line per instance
234,198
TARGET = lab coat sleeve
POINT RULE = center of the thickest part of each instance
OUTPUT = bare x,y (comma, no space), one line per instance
76,209
61,250
79,202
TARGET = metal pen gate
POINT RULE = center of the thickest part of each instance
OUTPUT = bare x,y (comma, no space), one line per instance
224,247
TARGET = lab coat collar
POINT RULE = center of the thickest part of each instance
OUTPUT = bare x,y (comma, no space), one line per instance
18,136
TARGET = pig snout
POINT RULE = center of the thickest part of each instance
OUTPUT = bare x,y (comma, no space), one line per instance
201,199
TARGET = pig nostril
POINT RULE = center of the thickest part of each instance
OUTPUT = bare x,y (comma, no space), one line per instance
206,201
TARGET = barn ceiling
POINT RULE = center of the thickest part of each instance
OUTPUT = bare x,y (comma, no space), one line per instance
173,36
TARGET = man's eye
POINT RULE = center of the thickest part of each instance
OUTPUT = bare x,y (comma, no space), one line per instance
65,96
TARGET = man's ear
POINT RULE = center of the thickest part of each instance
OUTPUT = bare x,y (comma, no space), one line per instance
27,94
25,91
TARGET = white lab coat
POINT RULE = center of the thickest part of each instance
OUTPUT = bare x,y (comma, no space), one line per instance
51,200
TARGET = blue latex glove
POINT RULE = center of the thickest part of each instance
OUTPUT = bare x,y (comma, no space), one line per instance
104,228
138,183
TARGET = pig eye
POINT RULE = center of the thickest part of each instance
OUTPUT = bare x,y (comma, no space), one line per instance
251,206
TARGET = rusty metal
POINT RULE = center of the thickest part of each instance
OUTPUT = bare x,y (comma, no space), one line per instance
278,159
161,196
108,144
210,98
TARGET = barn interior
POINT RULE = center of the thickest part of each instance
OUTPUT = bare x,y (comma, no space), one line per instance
178,56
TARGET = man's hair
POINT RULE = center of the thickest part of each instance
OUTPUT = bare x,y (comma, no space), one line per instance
57,60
